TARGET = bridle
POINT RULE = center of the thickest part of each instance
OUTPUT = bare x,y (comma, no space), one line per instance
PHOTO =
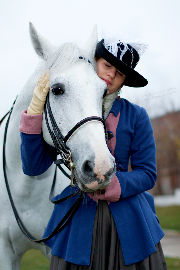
60,141
66,158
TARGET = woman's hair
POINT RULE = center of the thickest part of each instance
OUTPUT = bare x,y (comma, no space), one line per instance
97,58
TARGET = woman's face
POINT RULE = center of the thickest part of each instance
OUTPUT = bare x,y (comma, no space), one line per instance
111,75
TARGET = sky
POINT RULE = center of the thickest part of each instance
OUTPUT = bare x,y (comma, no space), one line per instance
155,23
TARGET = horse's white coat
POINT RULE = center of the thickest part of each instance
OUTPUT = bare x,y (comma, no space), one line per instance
82,98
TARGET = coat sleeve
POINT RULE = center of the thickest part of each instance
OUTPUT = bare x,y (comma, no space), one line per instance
37,156
143,159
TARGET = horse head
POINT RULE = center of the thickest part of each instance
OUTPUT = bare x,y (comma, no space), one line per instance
73,71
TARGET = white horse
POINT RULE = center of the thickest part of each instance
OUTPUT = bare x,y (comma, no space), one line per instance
83,96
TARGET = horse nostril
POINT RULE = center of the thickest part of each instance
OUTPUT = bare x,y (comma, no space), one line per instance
88,168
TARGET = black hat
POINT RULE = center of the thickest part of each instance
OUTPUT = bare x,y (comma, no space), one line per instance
125,58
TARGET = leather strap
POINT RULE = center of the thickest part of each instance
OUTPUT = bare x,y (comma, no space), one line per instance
66,219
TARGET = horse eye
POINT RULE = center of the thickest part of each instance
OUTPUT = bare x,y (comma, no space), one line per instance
57,89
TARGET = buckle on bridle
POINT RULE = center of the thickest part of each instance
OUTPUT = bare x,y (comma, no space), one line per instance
67,161
71,166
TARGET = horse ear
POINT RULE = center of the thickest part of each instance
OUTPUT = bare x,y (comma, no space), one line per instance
42,47
91,43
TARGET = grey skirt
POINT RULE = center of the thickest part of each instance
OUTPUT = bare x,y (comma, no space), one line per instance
106,251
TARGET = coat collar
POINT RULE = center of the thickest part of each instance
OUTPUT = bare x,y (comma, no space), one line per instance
116,106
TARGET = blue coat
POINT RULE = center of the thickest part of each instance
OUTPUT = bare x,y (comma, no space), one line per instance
134,214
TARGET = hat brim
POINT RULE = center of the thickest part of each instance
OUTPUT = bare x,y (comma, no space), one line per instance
133,78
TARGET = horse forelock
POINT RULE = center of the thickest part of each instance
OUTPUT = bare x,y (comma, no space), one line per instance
65,55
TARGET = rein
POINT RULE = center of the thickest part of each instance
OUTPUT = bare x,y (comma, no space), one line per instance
66,219
60,143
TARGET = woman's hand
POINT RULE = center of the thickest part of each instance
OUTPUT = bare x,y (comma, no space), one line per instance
39,96
112,192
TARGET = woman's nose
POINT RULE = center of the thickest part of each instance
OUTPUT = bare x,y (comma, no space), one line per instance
112,73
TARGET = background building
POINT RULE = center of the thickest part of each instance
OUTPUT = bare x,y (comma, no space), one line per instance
167,135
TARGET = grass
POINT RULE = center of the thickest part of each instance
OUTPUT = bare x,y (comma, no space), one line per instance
173,264
169,217
34,260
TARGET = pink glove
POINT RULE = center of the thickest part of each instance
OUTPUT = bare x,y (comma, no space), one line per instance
112,192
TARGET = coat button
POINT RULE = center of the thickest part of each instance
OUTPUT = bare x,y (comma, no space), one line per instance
109,135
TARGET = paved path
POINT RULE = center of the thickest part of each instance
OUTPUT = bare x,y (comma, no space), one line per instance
166,200
171,244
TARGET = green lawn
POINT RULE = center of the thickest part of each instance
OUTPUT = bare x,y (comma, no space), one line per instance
173,264
34,260
169,217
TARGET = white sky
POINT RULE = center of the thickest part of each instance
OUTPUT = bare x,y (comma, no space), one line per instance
154,22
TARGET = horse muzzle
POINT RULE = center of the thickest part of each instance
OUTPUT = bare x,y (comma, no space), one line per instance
92,178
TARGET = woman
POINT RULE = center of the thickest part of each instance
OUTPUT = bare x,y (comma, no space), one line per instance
118,229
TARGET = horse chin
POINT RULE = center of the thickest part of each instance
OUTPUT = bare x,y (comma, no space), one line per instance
90,188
